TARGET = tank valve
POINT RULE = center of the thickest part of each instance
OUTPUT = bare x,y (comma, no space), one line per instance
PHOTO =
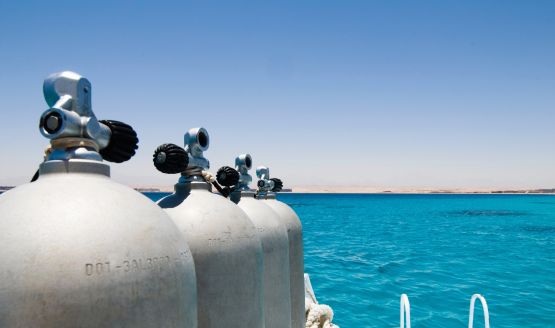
73,128
227,176
243,163
171,159
265,184
189,161
278,185
123,142
197,141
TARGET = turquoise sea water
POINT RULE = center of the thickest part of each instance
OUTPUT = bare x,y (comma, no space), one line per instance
363,251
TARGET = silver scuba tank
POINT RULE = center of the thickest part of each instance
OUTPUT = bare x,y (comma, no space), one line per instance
288,218
76,248
226,249
275,244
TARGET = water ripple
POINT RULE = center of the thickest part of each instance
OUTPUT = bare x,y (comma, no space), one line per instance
487,213
363,251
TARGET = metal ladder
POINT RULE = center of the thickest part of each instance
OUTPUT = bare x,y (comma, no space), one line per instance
405,311
484,308
405,308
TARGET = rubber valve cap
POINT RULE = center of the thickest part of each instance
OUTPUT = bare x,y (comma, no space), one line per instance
171,159
123,142
278,184
227,176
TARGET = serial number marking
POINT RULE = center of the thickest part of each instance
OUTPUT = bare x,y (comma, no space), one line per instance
135,265
227,236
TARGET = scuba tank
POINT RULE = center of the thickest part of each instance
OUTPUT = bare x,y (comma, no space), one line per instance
76,248
275,244
266,192
226,249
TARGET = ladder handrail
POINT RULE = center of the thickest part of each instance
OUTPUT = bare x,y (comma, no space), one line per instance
405,307
405,311
484,307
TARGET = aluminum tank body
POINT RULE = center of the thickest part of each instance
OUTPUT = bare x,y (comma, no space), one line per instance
77,249
273,235
291,221
227,255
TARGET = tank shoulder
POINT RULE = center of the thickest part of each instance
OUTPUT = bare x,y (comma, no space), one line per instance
284,211
203,206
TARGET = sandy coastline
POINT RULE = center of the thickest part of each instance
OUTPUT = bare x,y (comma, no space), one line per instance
416,190
373,190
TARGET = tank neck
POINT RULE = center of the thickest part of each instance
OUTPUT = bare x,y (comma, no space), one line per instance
73,149
237,195
193,175
74,166
266,195
248,193
187,185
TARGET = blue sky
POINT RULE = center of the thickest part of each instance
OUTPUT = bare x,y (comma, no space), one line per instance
381,93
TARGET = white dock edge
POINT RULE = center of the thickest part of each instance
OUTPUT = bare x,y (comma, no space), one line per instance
317,315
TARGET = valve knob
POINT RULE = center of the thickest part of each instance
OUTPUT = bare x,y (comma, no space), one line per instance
171,159
227,176
278,185
260,183
123,142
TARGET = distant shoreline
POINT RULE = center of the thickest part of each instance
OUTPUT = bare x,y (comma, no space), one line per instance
420,193
374,190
